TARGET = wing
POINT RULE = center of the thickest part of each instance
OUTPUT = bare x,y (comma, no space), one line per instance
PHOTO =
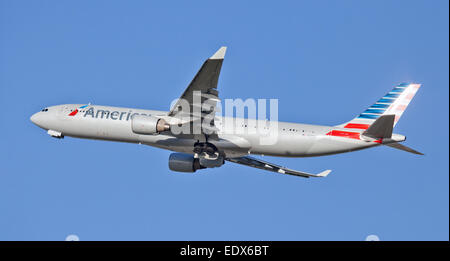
260,164
199,100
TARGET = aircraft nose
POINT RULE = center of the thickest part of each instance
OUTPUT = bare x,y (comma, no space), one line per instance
36,119
33,118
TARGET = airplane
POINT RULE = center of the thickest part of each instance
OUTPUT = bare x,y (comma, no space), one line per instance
215,143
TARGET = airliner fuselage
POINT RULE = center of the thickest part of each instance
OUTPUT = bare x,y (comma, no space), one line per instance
114,124
201,139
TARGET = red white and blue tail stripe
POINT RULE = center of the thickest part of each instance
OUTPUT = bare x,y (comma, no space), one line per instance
394,102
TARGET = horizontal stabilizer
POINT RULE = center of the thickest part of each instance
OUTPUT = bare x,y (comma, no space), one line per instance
399,146
381,128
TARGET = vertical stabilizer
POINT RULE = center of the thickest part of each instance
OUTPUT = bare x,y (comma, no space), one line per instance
393,103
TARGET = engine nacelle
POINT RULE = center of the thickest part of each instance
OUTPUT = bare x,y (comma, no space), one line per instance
147,125
183,162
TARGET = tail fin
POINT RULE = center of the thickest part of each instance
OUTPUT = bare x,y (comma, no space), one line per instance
393,103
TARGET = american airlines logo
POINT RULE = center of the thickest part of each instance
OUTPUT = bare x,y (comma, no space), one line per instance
73,113
113,115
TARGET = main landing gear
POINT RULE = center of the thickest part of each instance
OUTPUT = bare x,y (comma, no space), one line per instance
208,155
202,148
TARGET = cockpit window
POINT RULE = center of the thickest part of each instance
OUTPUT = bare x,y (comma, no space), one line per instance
45,109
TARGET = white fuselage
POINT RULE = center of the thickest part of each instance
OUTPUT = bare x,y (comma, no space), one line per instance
114,124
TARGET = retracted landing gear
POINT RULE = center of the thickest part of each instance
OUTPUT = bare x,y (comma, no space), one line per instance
206,149
208,155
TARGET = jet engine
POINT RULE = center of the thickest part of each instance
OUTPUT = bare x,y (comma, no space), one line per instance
182,162
142,124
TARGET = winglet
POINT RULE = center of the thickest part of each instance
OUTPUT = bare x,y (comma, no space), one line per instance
324,173
220,54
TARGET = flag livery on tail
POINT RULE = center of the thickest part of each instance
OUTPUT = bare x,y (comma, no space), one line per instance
393,103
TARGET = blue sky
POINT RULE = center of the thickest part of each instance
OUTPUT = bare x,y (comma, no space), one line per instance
326,61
